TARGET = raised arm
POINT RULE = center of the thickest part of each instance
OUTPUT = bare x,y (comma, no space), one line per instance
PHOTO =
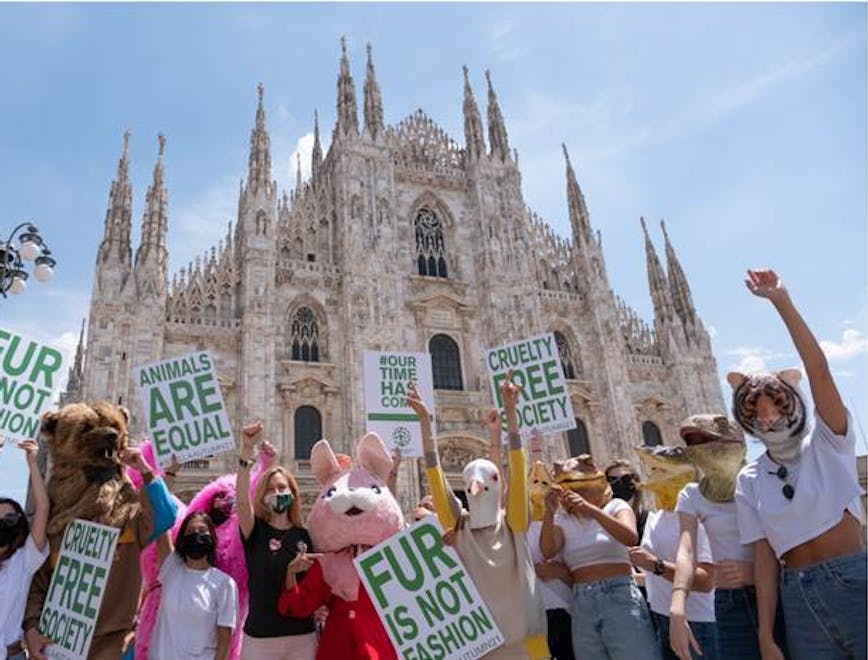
495,439
830,407
39,493
249,435
551,539
517,507
445,505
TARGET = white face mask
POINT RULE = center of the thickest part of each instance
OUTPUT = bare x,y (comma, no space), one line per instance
483,488
781,445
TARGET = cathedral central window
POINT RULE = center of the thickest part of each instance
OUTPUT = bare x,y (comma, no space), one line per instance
430,251
305,336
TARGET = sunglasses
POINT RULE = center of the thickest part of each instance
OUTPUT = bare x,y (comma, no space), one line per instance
788,490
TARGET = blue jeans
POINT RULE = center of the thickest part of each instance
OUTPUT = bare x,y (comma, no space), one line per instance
705,633
611,621
824,606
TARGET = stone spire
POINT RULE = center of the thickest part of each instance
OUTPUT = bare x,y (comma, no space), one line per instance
579,217
657,283
259,163
682,300
497,138
373,101
316,153
472,122
115,244
348,120
297,173
155,219
76,371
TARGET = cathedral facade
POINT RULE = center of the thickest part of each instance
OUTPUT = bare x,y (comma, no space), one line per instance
402,239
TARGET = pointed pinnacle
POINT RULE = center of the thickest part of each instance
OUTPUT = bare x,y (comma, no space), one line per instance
161,138
260,90
368,50
344,45
663,227
566,154
127,134
644,228
488,80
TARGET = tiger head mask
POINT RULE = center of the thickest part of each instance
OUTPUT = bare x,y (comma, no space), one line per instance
770,406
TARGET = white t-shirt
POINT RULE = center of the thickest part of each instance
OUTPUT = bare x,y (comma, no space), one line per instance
825,482
586,542
555,594
193,604
661,539
15,576
721,523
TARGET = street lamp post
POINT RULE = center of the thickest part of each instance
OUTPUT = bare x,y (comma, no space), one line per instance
13,277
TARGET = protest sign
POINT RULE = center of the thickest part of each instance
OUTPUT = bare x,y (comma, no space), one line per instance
77,584
544,401
28,374
425,598
386,411
184,407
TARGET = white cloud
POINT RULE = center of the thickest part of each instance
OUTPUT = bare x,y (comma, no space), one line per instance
303,149
853,343
758,358
201,221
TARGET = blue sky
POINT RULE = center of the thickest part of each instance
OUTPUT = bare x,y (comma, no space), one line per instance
743,125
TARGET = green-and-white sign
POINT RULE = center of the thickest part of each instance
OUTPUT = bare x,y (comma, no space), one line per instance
544,403
76,590
29,371
386,412
184,407
425,598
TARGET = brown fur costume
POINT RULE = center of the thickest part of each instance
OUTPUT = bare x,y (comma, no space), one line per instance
88,481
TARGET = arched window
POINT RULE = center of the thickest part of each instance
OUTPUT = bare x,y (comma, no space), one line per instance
430,252
304,335
566,353
577,439
651,434
308,430
445,363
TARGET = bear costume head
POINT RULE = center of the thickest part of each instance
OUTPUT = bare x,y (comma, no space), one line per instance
87,478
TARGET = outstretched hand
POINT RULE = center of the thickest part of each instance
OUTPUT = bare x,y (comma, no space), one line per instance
414,401
765,284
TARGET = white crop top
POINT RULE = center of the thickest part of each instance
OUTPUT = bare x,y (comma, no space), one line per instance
825,483
720,521
586,542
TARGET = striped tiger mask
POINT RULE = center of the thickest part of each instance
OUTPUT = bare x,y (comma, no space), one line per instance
782,435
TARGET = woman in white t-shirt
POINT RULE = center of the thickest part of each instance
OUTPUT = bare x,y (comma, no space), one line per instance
610,619
23,549
199,602
798,503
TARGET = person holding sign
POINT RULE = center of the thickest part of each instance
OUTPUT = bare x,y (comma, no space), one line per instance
23,549
489,539
272,535
199,604
610,618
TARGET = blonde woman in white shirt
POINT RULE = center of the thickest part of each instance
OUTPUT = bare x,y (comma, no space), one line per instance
798,503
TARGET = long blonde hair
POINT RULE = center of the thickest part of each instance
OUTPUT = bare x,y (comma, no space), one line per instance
261,509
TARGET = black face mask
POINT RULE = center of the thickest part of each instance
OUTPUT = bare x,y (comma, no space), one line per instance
218,516
623,487
195,546
8,534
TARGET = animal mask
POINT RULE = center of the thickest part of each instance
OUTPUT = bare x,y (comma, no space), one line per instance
783,436
717,449
579,474
87,478
540,484
669,470
483,488
354,510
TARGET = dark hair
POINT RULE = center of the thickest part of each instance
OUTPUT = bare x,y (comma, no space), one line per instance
182,530
619,462
23,525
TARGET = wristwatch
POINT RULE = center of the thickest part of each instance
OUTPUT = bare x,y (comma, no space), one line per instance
246,463
659,566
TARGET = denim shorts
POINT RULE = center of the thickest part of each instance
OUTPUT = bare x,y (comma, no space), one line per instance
824,608
611,621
